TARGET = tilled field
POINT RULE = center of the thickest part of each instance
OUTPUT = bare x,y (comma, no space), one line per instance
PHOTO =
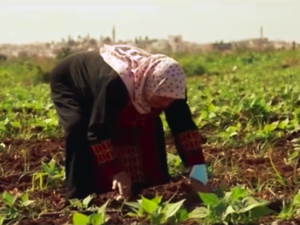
23,158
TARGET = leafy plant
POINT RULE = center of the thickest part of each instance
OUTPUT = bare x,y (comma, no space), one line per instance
50,172
14,205
235,207
156,211
291,210
81,204
99,218
175,165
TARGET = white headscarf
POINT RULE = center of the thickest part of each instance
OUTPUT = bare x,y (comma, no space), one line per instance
145,74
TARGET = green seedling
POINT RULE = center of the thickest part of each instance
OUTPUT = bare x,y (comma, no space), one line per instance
82,205
156,211
49,175
291,210
99,218
14,206
235,207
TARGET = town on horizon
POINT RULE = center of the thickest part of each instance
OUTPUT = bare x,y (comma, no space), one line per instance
173,43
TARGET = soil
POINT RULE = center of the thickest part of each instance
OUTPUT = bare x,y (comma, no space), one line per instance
27,155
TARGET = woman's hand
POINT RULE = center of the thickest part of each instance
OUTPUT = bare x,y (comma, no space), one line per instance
122,181
197,186
199,179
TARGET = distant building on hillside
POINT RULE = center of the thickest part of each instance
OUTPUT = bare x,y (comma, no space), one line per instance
114,35
221,46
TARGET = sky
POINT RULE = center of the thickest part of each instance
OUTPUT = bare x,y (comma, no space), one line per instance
201,21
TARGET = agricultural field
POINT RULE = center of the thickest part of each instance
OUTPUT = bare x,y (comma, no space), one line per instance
245,104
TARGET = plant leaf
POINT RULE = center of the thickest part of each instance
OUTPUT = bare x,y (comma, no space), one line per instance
157,199
103,207
251,203
135,205
229,210
296,199
80,219
87,200
24,197
260,211
9,198
96,219
2,220
172,208
76,202
198,213
148,205
237,193
182,215
209,199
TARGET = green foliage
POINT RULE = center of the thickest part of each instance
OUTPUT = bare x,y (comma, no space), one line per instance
239,98
235,207
50,174
13,207
235,99
158,212
291,210
98,218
